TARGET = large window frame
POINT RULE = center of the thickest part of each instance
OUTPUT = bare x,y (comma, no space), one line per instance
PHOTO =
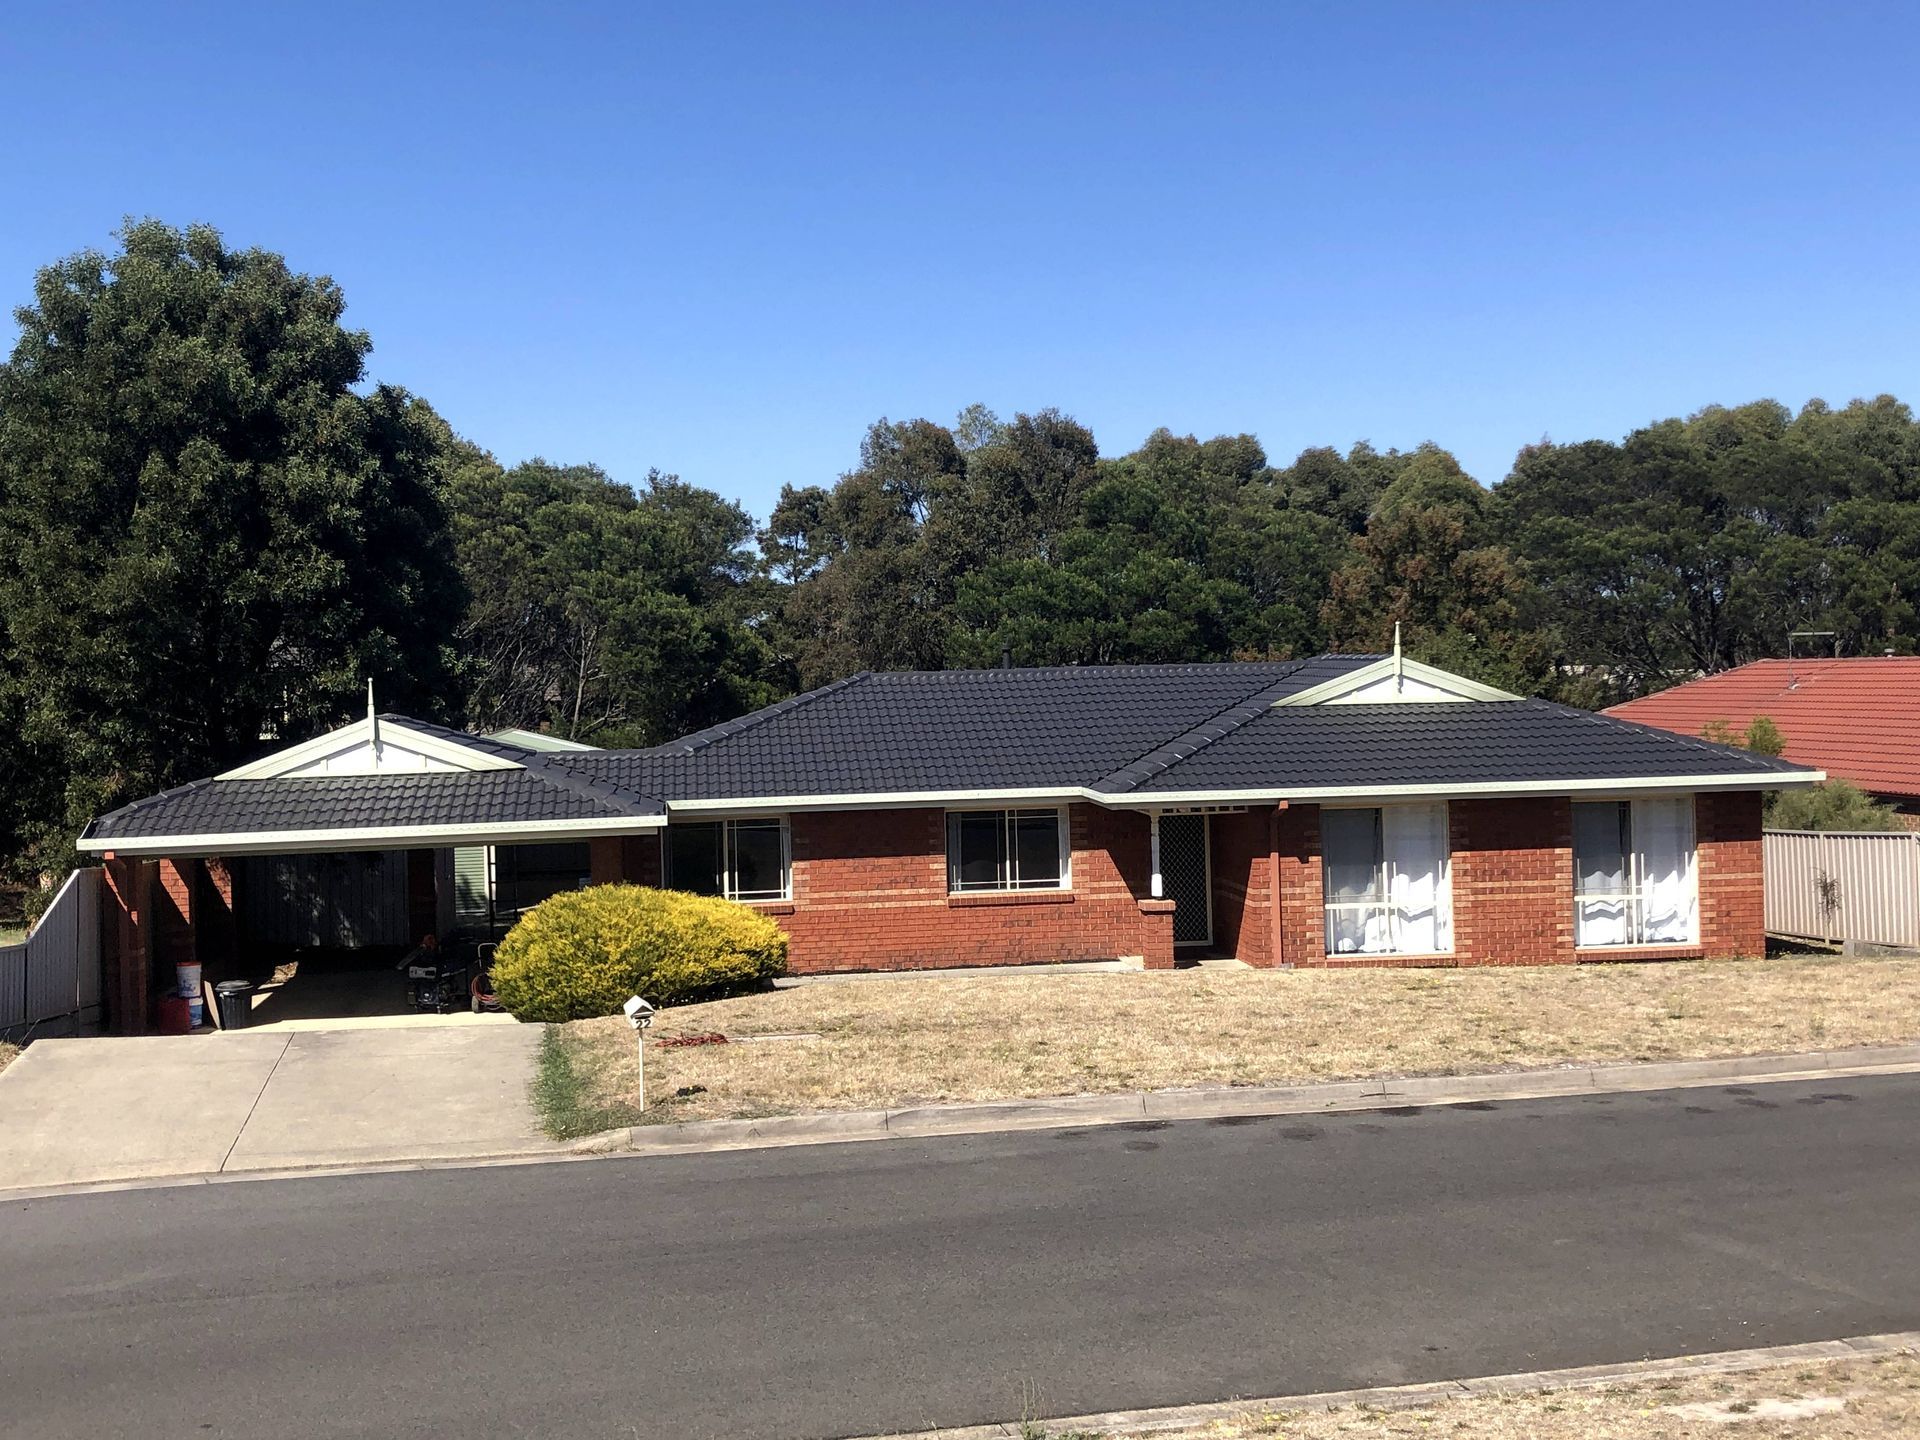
1017,869
1645,897
719,858
1399,906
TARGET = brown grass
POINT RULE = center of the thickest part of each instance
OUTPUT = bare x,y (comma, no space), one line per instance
877,1043
1878,1400
8,1054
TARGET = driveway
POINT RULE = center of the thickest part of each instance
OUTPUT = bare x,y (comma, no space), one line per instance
81,1111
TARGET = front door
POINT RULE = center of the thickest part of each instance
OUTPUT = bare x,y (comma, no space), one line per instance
1186,877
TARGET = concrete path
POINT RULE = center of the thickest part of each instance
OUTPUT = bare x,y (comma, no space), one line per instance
114,1109
862,1289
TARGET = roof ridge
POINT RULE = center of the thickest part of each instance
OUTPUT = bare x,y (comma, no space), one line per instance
700,739
1221,723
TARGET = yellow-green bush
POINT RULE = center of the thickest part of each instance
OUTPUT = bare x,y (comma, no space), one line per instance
583,952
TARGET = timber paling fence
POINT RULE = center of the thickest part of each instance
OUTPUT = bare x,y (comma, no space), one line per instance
1839,887
51,980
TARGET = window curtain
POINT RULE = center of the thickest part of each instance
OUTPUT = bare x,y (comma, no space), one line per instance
1415,840
1602,886
1350,857
1663,842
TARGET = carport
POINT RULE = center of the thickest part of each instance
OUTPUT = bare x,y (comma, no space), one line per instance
314,869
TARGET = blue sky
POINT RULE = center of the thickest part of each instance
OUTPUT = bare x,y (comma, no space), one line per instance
722,239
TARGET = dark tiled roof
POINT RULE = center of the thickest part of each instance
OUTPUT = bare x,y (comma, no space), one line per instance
1135,731
339,802
951,730
1444,743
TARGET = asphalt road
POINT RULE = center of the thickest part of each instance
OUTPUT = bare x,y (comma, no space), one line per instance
848,1289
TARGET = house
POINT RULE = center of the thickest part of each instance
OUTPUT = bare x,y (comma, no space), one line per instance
1341,810
1856,719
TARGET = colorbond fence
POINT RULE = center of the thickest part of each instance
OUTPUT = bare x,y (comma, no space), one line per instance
1839,887
53,976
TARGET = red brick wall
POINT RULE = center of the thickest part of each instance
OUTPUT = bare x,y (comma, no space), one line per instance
870,893
870,890
1512,881
632,858
1243,885
1297,880
1732,876
173,916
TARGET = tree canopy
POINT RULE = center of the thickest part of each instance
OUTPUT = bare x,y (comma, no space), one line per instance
219,529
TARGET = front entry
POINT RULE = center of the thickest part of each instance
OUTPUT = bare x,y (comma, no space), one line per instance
1186,877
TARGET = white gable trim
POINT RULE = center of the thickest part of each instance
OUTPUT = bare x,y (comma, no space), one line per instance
369,747
1393,680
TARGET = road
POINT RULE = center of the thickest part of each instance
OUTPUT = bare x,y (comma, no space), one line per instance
848,1289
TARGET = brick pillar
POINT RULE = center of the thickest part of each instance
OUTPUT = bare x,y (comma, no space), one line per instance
1299,924
624,860
1156,934
126,924
1733,907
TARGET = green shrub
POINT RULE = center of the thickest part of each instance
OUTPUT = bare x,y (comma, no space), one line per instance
583,952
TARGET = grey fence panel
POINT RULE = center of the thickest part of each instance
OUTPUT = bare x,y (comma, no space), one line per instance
1838,886
55,973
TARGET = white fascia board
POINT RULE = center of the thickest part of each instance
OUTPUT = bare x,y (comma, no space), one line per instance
369,837
360,732
1675,784
882,800
1386,669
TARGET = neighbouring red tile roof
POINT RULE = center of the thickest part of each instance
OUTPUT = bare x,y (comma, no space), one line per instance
1857,719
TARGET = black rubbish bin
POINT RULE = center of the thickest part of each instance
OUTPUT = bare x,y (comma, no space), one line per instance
236,1003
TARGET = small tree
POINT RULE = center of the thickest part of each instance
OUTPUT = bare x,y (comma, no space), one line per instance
1836,805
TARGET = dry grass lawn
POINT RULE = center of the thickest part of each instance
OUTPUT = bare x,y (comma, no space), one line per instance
1846,1400
870,1043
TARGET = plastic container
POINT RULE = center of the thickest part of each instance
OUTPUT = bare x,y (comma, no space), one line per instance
187,973
175,1019
235,999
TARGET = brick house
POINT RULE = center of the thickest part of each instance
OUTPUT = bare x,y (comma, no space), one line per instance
1347,810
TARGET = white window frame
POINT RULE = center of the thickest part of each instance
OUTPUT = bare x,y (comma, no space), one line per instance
729,873
1633,897
1384,874
1007,884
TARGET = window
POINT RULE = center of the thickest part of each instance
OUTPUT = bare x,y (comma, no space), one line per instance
1006,850
740,859
1633,873
524,875
1386,879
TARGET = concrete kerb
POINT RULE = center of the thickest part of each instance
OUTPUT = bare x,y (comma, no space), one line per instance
1125,1423
922,1122
1220,1101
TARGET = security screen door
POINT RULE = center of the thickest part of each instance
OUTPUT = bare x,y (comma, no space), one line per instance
1184,877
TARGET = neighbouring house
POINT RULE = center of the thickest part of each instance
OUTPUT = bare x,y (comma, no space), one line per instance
1856,719
1341,810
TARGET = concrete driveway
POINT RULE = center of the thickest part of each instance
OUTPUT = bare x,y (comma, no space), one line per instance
104,1109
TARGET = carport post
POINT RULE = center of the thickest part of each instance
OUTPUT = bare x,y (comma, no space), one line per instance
1154,884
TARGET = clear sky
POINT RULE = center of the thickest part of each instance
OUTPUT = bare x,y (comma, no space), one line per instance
722,239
